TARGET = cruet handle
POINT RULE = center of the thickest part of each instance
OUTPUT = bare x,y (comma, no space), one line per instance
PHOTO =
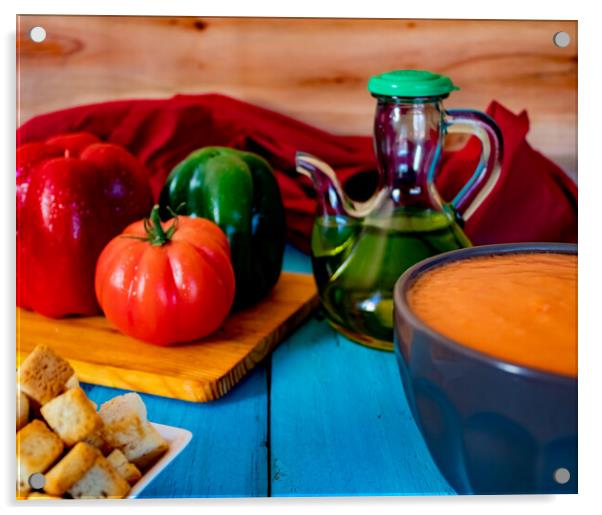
487,173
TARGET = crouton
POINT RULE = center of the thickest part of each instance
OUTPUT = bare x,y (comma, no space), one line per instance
147,449
72,416
97,439
72,382
101,481
37,449
70,469
125,469
22,409
124,430
43,374
128,430
123,405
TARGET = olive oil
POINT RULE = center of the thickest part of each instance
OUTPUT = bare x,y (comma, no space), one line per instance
357,262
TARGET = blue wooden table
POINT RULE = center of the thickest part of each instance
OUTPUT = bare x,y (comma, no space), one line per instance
321,416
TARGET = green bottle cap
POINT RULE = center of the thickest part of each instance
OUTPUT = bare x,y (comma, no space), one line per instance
411,83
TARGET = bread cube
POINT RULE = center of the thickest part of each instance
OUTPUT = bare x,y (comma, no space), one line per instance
72,416
22,409
72,382
126,470
101,481
97,439
123,406
43,374
37,449
147,449
70,469
127,429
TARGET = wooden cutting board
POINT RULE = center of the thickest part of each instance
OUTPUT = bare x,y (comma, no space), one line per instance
198,372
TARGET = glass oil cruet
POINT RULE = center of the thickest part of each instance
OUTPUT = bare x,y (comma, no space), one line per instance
359,249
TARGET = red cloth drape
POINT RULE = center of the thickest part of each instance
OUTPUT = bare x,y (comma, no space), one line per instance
533,201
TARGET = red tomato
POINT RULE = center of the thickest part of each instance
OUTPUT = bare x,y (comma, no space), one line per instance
168,282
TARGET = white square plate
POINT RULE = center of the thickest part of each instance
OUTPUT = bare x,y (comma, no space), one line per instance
177,439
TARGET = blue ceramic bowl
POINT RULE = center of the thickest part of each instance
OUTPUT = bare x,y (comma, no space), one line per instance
492,427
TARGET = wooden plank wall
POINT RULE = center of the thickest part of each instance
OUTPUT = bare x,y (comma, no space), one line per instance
313,69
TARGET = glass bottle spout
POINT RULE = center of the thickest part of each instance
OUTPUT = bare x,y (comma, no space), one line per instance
332,200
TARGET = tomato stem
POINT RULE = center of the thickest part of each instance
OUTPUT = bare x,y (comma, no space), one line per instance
156,234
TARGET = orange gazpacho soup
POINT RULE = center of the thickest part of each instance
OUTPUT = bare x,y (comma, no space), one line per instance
521,308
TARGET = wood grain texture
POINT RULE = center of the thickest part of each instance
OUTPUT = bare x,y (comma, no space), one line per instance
313,69
340,423
195,372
